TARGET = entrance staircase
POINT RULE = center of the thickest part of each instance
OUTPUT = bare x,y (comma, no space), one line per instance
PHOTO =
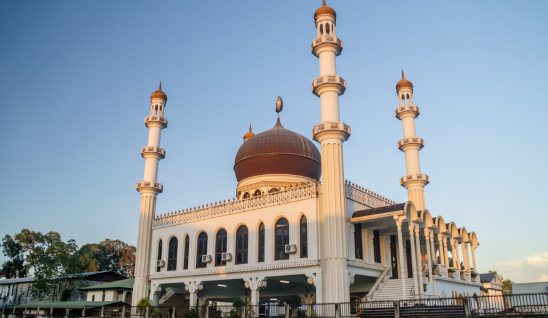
392,290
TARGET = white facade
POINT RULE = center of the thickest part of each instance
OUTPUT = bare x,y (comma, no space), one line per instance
292,238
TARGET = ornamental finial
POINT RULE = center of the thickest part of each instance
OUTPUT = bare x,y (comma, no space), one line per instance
402,75
279,105
160,86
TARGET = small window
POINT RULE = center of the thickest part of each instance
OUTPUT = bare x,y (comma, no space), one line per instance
358,247
304,237
273,190
92,297
159,255
201,249
377,246
327,28
220,247
257,193
246,195
187,246
241,245
281,239
103,296
261,242
321,29
172,254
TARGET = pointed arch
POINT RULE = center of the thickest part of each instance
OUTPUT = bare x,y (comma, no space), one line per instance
303,236
159,255
172,254
261,242
281,238
242,243
220,247
201,249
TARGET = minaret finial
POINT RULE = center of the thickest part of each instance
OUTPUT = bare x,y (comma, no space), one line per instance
324,4
250,127
160,86
402,74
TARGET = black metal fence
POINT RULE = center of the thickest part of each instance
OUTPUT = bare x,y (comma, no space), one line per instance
517,305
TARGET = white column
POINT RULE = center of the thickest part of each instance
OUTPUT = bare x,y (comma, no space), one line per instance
445,251
474,259
419,260
433,249
254,284
413,259
402,258
193,287
428,253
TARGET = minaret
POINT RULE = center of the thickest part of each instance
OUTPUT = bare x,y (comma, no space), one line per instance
149,189
407,111
331,133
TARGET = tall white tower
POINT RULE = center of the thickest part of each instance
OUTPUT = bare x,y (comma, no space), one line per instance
149,189
331,133
407,111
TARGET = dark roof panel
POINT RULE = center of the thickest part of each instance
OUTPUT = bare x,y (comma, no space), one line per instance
383,209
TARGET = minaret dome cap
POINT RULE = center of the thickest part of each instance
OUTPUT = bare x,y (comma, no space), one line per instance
404,83
159,93
324,9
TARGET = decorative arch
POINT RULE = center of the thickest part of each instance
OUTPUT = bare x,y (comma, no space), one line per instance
474,239
242,243
426,219
439,223
410,212
452,230
464,235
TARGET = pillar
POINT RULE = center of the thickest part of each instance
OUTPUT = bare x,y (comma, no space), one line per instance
193,287
403,275
413,259
419,261
254,284
428,253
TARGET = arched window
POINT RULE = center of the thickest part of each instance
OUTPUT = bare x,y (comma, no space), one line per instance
358,246
201,249
159,256
260,251
172,254
273,190
220,247
281,238
257,193
155,110
321,29
241,245
327,28
304,237
187,247
246,195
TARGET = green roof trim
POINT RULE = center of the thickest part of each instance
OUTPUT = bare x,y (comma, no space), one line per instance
67,304
117,284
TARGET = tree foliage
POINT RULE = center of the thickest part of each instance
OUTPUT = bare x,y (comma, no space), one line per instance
52,261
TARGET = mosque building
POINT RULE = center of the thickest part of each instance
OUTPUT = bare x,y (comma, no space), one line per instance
297,231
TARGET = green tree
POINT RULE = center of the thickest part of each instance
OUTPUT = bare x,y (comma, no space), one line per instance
15,265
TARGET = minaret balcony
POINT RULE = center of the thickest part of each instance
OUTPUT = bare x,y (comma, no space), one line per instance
153,152
150,186
339,127
328,82
156,120
407,110
411,142
415,178
327,40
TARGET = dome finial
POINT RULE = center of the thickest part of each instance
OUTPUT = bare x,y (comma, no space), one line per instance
160,86
324,4
402,75
279,105
404,83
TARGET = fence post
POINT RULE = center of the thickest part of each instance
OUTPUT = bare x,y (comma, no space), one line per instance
123,311
102,311
147,312
286,310
397,309
84,312
337,312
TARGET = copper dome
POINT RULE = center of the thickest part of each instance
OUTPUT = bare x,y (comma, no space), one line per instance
278,151
159,93
403,83
324,9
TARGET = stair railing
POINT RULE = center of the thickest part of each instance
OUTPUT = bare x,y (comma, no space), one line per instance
379,284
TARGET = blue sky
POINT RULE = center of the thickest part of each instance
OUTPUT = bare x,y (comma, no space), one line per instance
76,77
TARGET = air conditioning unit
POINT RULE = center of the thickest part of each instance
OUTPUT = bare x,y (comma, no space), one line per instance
226,256
291,248
206,258
160,263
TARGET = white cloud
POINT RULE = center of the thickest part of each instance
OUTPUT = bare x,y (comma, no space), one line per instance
525,269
